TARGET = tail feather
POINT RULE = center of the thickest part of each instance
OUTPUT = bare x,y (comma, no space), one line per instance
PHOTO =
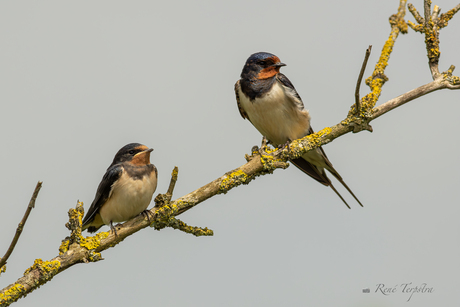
339,178
338,194
320,176
316,169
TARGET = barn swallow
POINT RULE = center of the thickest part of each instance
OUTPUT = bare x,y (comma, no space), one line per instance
270,102
125,190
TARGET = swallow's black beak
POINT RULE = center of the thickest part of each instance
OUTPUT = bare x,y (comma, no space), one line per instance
279,64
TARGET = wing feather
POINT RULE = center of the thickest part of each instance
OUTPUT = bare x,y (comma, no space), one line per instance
240,108
103,193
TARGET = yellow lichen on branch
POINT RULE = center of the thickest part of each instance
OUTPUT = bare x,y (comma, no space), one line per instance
378,77
430,26
12,294
233,179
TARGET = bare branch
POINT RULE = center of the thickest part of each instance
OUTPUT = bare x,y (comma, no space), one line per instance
404,98
172,184
21,224
360,77
358,119
78,249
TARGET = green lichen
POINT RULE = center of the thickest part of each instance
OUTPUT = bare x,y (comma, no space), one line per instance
11,295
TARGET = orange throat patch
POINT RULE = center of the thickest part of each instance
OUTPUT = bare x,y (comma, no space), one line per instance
142,158
268,72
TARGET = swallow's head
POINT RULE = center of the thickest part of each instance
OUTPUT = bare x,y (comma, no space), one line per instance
261,65
134,153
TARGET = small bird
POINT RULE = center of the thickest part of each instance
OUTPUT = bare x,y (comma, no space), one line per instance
270,102
125,190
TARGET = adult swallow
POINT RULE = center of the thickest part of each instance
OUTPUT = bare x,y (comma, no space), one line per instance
125,190
270,102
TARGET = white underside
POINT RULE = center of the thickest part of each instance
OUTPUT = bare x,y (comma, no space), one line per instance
130,197
276,115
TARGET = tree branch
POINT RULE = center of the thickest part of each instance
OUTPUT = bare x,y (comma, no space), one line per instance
430,26
360,77
358,119
78,249
21,225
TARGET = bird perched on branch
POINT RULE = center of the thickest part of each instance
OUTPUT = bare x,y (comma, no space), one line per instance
270,102
125,190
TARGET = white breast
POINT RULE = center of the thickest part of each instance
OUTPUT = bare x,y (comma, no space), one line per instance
276,115
129,198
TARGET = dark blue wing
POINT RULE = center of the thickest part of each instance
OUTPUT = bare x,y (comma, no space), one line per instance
103,192
287,83
240,108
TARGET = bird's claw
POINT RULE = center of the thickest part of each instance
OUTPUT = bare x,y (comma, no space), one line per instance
285,145
147,214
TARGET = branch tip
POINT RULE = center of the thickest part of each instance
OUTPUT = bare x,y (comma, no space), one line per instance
21,225
360,77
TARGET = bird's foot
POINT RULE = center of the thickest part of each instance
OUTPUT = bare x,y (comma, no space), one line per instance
285,145
147,214
114,229
264,144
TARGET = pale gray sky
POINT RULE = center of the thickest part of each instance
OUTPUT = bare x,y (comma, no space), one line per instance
79,80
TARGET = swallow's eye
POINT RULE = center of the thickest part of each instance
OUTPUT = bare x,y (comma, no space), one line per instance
131,152
261,63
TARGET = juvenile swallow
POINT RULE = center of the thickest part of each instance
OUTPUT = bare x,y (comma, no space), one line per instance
270,102
125,190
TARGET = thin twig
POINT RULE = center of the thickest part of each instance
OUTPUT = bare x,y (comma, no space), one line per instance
360,78
21,224
172,183
260,163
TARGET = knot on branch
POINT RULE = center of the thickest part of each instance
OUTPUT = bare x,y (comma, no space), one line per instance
47,269
76,239
398,21
377,76
359,124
